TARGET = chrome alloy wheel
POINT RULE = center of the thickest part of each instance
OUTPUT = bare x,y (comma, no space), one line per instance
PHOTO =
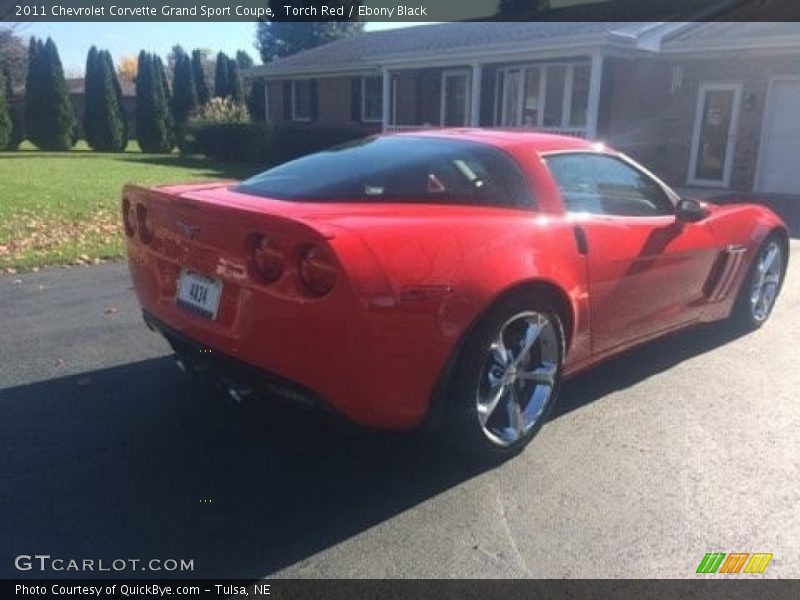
766,280
518,377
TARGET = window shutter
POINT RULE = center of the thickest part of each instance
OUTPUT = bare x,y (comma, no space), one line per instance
314,100
355,99
287,100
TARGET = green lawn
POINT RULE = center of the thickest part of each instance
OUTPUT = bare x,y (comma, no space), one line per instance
63,207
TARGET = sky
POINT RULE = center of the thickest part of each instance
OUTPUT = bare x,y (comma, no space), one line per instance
121,39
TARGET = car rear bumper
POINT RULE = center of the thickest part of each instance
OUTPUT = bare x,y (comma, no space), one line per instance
377,365
239,378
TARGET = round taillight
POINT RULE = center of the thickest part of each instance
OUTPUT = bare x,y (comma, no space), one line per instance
142,220
317,270
268,259
128,217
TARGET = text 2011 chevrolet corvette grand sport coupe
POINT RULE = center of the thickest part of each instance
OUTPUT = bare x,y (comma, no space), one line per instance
451,278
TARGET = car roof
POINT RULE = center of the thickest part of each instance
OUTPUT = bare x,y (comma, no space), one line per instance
538,141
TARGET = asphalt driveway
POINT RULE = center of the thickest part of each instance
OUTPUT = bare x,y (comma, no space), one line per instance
690,445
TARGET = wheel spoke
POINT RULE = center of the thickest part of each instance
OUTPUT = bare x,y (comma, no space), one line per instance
545,374
531,335
499,351
768,297
486,409
515,420
769,258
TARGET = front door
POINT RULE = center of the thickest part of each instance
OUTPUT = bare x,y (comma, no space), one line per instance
713,141
646,269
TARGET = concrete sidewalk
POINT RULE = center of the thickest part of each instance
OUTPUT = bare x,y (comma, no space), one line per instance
786,205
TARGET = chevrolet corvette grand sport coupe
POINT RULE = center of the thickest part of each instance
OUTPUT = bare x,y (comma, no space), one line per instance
449,278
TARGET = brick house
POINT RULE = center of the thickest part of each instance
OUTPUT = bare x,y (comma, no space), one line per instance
703,104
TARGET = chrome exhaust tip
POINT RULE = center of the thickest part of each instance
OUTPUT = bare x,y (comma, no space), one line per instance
238,394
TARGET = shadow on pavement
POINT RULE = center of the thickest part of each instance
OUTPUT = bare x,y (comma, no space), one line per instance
639,364
140,461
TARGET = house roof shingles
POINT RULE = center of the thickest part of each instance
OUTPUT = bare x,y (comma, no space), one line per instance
743,34
444,37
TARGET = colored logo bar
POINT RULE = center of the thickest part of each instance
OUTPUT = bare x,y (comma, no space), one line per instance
732,564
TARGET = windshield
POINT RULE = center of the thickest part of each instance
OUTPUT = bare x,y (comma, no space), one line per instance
398,169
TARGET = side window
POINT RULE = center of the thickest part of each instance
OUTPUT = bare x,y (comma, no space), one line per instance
604,185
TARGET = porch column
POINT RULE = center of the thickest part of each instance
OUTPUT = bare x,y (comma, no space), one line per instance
386,98
475,96
266,101
595,83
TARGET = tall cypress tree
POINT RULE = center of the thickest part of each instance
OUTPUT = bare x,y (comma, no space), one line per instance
92,97
5,117
164,100
235,90
199,75
51,125
143,93
184,94
152,112
256,104
106,56
15,113
221,85
108,128
34,100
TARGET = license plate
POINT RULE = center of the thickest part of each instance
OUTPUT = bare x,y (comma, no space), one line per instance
199,294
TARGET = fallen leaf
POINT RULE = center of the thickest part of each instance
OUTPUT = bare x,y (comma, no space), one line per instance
110,310
59,362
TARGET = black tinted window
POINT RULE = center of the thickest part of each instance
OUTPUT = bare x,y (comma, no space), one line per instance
398,169
605,185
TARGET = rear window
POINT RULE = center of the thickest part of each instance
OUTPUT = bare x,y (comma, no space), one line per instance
398,169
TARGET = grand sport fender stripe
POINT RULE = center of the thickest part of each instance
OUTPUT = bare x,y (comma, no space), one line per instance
733,259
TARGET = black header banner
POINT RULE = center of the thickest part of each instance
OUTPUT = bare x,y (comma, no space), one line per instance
734,588
398,10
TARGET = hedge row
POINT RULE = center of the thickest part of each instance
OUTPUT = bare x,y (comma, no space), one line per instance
249,142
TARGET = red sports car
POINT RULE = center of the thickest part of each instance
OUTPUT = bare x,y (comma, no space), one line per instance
451,278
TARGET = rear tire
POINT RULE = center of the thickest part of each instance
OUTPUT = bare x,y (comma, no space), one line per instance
761,286
506,379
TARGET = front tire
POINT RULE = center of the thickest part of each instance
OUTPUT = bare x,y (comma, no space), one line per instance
762,285
506,379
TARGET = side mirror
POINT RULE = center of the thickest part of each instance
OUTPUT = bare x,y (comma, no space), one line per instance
690,210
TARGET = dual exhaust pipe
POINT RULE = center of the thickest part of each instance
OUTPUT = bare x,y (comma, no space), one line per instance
236,392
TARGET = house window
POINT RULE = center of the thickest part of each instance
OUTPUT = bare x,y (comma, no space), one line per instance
301,100
554,96
546,96
372,99
455,98
579,101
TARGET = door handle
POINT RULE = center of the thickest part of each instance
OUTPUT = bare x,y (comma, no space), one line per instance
581,241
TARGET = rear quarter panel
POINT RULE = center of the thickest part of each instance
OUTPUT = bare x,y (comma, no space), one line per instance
446,270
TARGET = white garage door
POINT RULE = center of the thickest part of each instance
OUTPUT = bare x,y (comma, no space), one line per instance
780,156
